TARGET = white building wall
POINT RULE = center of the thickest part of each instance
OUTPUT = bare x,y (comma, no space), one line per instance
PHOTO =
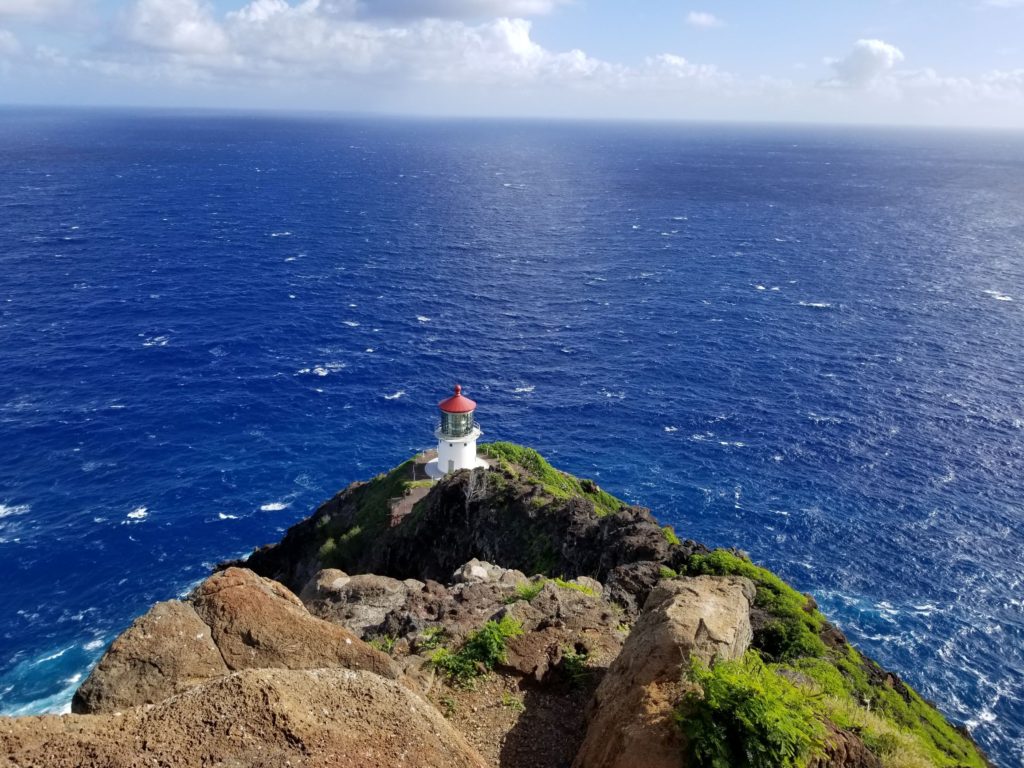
456,454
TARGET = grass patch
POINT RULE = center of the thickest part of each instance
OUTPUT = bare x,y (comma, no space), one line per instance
526,591
511,702
563,584
373,509
482,650
794,630
746,715
667,573
670,535
554,483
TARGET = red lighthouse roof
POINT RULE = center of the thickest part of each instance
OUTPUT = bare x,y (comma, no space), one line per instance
457,403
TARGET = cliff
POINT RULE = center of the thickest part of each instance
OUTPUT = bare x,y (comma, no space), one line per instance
513,616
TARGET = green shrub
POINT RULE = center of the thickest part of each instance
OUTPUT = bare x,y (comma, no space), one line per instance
526,591
670,535
482,650
574,665
746,715
554,483
383,643
667,573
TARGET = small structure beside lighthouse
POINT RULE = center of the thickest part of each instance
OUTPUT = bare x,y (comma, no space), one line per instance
456,437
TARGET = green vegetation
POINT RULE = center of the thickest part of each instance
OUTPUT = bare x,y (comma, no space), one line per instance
795,628
670,535
745,715
511,702
531,589
527,591
482,650
431,638
383,643
563,584
448,707
555,484
667,573
574,665
835,684
373,508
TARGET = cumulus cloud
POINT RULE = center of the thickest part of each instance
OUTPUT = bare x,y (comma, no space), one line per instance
184,26
456,9
703,20
865,65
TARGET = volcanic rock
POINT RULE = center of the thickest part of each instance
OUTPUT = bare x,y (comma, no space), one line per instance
631,719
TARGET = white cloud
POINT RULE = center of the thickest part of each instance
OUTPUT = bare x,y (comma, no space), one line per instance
9,45
703,20
33,9
182,26
457,9
865,65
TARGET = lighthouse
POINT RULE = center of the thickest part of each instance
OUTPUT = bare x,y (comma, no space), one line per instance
456,437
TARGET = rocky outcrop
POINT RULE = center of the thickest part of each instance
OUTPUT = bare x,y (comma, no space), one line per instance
166,651
257,623
632,715
267,718
361,603
234,620
494,515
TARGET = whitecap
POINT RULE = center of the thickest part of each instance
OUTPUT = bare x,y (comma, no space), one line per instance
291,258
760,287
156,341
94,645
395,395
116,406
73,679
275,506
223,516
139,513
351,323
524,389
671,429
52,656
370,349
816,304
732,444
280,234
423,318
998,296
16,509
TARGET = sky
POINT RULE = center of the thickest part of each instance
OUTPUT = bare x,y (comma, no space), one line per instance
899,62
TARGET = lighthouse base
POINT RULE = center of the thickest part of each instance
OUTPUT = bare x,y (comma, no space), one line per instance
436,472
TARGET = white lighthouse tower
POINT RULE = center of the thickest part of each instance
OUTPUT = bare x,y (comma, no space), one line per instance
456,437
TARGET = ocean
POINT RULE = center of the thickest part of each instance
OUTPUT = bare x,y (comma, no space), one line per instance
805,342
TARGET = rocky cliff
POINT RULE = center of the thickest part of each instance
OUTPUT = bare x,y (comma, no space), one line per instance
509,616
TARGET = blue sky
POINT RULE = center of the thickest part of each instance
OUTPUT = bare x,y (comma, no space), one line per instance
943,62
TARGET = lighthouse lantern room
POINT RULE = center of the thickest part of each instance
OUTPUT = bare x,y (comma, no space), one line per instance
456,437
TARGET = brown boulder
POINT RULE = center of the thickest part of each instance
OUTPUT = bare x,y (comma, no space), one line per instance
253,719
164,652
257,623
631,720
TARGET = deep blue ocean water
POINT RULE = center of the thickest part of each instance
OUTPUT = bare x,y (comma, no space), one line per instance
804,342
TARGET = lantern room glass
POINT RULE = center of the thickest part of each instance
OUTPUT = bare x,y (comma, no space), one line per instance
456,424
